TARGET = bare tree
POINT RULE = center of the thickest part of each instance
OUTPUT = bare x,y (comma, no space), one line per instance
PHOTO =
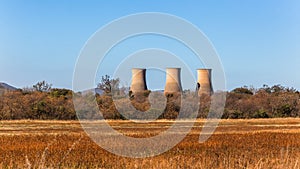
109,85
42,86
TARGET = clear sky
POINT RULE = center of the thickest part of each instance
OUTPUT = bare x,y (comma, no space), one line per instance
258,41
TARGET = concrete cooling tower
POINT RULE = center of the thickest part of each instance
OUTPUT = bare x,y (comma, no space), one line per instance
173,81
138,82
204,84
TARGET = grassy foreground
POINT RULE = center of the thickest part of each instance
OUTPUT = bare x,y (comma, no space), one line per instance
255,143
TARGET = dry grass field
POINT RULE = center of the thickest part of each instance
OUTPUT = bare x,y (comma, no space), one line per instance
255,143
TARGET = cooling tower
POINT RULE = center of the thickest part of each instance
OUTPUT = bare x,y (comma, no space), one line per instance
173,82
204,85
138,83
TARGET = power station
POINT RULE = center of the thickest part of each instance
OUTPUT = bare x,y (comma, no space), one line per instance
173,81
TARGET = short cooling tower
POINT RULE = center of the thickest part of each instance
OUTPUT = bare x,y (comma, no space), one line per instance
204,84
173,81
138,83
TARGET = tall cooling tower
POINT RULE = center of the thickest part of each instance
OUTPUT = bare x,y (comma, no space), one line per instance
173,81
138,83
204,84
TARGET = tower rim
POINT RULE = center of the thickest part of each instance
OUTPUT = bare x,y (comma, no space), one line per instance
204,69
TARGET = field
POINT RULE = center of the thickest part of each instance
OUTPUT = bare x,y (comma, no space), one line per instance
255,143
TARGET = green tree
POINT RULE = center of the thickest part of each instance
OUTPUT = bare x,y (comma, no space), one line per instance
243,90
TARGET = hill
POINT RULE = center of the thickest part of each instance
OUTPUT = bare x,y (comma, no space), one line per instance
5,87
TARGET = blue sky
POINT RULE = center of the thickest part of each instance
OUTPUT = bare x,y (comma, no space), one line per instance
258,41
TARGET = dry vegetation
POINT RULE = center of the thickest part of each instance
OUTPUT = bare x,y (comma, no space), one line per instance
57,104
259,143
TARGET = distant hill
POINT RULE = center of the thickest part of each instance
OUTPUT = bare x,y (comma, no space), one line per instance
95,90
158,90
4,86
100,92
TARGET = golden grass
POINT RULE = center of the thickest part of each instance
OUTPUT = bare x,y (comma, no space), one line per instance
254,143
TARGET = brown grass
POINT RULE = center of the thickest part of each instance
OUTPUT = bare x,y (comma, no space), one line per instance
259,143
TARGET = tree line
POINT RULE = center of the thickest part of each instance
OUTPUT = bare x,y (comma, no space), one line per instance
41,101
